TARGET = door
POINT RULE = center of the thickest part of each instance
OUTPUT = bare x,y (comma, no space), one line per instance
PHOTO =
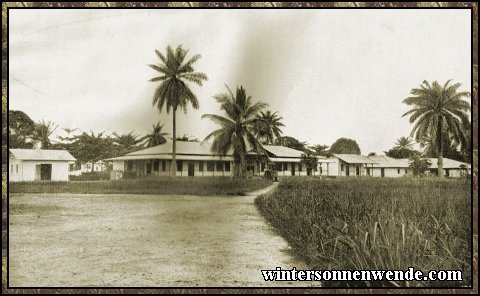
191,169
46,172
347,170
293,168
149,168
382,172
357,170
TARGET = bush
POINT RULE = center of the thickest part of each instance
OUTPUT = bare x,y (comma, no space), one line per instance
91,176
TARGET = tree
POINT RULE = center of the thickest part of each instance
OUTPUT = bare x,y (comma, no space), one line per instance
404,143
321,150
92,148
400,153
156,137
42,132
237,127
290,142
345,146
268,127
438,112
173,91
21,128
418,164
310,160
125,143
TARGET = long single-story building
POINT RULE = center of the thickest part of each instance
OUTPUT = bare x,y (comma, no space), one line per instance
193,159
38,164
384,166
196,159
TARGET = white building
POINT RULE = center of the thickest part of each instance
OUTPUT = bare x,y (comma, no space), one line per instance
37,164
193,159
384,166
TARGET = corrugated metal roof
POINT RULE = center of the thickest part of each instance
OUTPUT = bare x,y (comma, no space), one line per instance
183,147
447,163
354,158
39,154
169,157
280,151
383,161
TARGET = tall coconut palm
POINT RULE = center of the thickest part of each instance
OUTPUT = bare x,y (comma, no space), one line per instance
404,143
156,137
173,91
439,112
268,127
237,127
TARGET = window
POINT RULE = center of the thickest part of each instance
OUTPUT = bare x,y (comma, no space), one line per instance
219,166
300,165
179,165
227,166
341,167
11,169
200,166
210,166
156,165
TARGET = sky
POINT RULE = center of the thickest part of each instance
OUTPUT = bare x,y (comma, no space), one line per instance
328,73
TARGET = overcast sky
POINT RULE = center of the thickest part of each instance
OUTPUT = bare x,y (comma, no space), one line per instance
328,73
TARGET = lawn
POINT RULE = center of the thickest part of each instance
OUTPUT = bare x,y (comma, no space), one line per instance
381,224
160,185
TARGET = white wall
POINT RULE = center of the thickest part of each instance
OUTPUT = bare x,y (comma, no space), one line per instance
27,170
391,172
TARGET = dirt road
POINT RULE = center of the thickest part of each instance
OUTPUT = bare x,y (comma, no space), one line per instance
142,240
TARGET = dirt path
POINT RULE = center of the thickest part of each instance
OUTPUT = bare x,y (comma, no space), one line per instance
142,240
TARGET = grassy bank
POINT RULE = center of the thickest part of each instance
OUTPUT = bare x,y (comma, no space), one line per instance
162,185
381,224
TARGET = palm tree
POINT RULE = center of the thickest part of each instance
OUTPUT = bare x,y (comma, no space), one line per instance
43,131
156,137
438,112
267,127
320,150
173,91
126,143
404,143
237,128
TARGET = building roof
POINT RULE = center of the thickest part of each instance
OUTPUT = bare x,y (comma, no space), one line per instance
383,161
354,158
39,154
281,151
447,163
185,150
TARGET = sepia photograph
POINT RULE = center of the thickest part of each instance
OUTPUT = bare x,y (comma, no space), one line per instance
198,147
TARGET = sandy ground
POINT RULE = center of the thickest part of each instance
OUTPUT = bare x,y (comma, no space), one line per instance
142,241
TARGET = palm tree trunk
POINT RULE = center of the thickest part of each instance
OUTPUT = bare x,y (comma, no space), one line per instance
173,167
440,151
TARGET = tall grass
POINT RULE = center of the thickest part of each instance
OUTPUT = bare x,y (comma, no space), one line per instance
381,224
158,185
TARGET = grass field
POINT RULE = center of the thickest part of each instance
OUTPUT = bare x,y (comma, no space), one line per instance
159,185
381,224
